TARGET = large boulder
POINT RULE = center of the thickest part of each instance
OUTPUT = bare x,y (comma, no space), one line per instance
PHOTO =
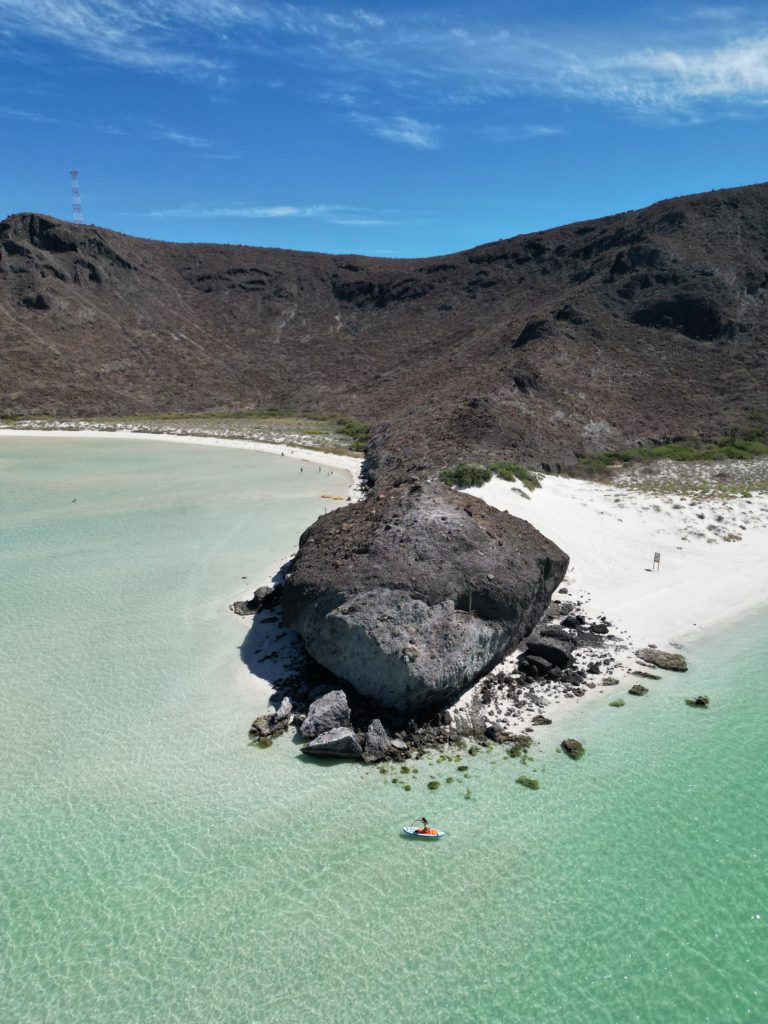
331,711
340,742
663,659
413,594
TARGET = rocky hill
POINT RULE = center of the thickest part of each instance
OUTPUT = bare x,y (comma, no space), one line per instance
648,324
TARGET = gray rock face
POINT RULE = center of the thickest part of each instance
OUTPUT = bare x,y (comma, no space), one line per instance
663,659
413,594
330,711
340,742
378,745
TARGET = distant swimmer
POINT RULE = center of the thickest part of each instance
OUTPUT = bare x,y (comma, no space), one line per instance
74,500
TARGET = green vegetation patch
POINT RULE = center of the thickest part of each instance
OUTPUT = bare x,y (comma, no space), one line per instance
511,471
469,474
730,447
527,781
466,475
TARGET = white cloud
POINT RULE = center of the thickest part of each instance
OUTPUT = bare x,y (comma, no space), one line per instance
656,80
725,13
360,222
716,55
330,213
406,130
193,141
114,30
251,212
517,133
27,115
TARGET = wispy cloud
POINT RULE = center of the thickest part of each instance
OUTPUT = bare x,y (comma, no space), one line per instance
27,115
361,222
406,130
654,80
192,141
517,133
119,32
331,213
721,13
712,55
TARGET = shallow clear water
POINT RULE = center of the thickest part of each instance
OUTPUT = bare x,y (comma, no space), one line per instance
154,867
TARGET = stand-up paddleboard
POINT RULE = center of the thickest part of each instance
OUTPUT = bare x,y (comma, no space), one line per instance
420,833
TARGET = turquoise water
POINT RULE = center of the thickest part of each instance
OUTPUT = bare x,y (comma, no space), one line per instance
154,867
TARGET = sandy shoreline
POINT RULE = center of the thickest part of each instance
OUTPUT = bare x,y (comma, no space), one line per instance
714,554
348,463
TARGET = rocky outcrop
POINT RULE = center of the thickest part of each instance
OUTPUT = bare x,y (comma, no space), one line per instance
340,742
697,702
331,711
663,659
416,592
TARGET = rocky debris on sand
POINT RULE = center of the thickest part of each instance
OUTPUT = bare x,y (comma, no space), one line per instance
378,745
638,690
339,742
663,659
541,720
697,702
331,711
573,748
264,598
643,675
416,592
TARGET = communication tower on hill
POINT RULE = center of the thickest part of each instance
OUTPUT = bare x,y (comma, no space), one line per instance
77,209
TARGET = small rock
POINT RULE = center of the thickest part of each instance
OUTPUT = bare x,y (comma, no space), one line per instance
541,720
340,742
558,633
638,690
573,748
331,711
284,712
378,745
697,702
556,652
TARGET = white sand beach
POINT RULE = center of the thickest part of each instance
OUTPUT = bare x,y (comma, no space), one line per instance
348,463
714,552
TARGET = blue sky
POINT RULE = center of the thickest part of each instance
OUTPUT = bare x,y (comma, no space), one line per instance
393,129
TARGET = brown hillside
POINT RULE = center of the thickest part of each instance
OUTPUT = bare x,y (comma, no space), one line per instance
648,324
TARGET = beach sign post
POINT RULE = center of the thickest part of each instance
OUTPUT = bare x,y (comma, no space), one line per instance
656,561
